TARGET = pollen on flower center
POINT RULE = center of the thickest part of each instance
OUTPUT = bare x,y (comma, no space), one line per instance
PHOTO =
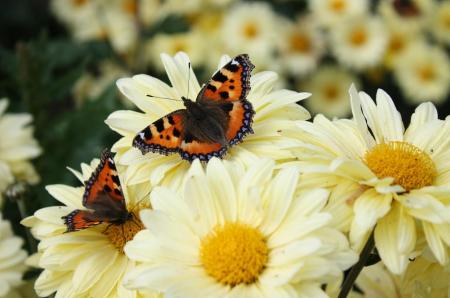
250,30
338,5
358,37
120,234
300,43
79,2
410,167
234,253
426,73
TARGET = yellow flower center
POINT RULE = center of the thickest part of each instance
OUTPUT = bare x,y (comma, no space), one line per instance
130,6
234,253
358,37
410,167
396,44
120,234
331,93
79,2
300,42
426,73
337,5
250,30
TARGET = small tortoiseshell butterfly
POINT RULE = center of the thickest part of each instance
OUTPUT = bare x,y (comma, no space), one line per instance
103,196
220,117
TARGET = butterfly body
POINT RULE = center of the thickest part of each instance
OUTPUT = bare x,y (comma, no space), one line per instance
219,118
103,198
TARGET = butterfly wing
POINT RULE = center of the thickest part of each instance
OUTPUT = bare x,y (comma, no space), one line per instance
163,136
103,192
230,83
80,219
240,121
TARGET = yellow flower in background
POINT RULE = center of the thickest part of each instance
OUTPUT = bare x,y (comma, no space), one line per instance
238,233
331,12
275,111
251,28
17,147
440,22
360,42
85,263
399,177
422,279
427,78
328,88
302,46
12,260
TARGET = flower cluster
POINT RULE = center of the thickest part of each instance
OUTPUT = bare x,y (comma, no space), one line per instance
320,50
283,213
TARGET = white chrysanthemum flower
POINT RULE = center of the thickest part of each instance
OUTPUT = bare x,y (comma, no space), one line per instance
400,178
423,73
251,28
422,279
440,25
302,47
114,20
329,90
237,233
359,42
400,40
190,42
411,15
90,87
17,147
332,12
12,259
85,263
275,111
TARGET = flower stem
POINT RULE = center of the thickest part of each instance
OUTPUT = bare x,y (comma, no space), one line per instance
357,268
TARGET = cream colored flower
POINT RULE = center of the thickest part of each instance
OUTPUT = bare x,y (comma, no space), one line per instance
275,111
328,87
90,87
332,12
423,73
400,178
422,279
411,15
440,25
17,147
237,233
85,263
302,47
190,42
400,40
12,259
359,42
251,28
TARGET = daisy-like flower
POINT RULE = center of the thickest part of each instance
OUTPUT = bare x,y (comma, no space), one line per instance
400,39
329,91
423,278
440,25
89,262
332,12
190,42
302,47
400,177
410,15
254,29
17,147
428,77
12,259
238,233
274,112
359,42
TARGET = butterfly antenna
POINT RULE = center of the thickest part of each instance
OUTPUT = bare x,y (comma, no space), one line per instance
168,98
189,78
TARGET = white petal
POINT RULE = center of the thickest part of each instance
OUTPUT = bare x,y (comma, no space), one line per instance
392,124
69,196
359,117
435,242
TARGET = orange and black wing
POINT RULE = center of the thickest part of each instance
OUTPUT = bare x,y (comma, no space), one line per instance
103,189
79,220
163,136
240,121
230,83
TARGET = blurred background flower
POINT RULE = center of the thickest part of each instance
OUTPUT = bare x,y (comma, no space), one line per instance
60,59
